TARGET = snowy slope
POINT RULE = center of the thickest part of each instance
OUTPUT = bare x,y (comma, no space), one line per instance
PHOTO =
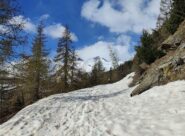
105,110
88,64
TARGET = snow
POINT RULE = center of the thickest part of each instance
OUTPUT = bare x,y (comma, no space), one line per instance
105,110
87,65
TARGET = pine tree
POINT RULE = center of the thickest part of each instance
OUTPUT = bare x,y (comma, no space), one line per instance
10,29
110,75
64,55
177,15
147,52
114,57
37,66
10,37
165,7
83,79
73,69
97,71
10,33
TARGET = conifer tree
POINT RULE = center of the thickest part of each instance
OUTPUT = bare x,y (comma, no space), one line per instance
97,72
74,69
10,37
114,57
10,33
177,15
37,66
10,29
64,56
110,75
146,52
165,7
83,79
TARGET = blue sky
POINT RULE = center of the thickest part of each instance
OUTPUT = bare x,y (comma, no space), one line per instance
64,12
95,24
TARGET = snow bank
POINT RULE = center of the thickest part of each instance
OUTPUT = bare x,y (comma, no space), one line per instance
105,110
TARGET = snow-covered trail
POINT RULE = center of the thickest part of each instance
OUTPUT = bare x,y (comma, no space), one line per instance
106,110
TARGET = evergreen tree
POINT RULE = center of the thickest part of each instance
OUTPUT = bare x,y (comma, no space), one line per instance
37,66
97,71
177,15
64,56
10,37
165,7
10,29
114,57
74,70
110,75
83,79
147,52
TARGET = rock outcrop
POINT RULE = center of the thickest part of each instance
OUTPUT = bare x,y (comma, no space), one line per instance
174,41
169,68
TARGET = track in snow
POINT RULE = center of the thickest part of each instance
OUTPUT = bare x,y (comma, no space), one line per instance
105,110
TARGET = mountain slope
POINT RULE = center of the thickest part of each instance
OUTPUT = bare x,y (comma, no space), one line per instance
168,68
88,64
106,110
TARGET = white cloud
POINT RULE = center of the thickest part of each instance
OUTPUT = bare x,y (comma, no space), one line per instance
100,49
44,17
123,40
56,31
101,37
3,29
28,26
133,15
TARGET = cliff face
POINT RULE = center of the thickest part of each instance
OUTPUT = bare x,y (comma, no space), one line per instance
169,68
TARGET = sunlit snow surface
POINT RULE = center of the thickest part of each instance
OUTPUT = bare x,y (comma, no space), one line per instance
105,110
